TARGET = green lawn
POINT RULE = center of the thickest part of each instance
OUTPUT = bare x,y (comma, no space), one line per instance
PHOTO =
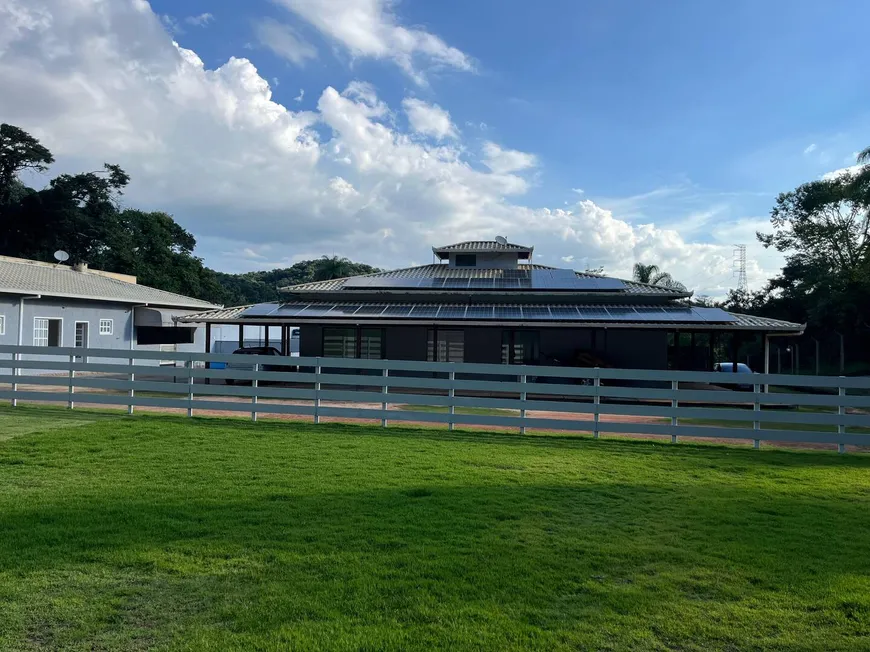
160,532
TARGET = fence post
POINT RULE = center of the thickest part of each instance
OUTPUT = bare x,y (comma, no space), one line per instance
132,391
385,390
523,400
596,403
189,365
452,394
841,410
675,421
317,391
72,374
756,408
254,384
14,384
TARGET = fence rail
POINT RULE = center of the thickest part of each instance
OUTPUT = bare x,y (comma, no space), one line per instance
817,409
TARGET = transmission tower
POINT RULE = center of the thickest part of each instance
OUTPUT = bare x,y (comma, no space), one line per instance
740,267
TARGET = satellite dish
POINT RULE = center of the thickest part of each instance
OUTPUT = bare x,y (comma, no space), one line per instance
61,256
501,239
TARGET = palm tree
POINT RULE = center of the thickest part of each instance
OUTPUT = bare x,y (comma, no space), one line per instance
864,155
652,275
330,267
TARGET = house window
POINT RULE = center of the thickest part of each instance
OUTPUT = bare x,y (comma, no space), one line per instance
466,260
2,324
47,332
446,345
520,347
339,342
366,343
107,326
371,346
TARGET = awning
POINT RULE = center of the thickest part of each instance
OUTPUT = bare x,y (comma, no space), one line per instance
159,317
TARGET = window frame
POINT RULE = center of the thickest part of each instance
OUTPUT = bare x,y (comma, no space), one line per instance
357,338
466,258
48,321
509,345
111,323
433,339
2,324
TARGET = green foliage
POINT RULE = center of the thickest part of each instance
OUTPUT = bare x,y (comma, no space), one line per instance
80,214
823,228
652,275
148,532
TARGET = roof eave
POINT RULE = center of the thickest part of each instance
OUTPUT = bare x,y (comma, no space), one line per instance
85,297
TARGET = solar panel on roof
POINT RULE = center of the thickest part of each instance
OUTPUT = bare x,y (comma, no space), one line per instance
397,310
343,310
715,315
536,312
371,309
316,310
289,309
260,310
425,310
622,312
451,312
479,312
564,312
591,313
507,312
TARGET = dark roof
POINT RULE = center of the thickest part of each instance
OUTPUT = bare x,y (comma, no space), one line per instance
626,316
482,246
19,276
630,288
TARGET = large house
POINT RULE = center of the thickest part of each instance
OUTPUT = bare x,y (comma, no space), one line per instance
43,304
486,302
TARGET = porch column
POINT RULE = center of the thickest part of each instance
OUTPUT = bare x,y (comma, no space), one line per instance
266,335
735,349
766,358
241,336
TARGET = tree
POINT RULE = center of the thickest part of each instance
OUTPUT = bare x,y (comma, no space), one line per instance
864,155
823,228
652,275
19,151
330,267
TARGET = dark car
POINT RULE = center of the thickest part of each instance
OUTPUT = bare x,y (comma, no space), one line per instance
742,370
257,350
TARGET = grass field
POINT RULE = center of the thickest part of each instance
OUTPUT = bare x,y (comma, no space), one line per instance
157,532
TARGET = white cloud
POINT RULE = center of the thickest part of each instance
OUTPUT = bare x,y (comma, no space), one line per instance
852,169
429,119
241,171
579,191
301,95
810,149
369,28
171,24
502,161
568,259
284,41
199,21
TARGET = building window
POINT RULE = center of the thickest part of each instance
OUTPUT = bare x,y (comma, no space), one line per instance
520,347
107,326
2,324
466,260
47,332
445,345
371,345
339,342
366,343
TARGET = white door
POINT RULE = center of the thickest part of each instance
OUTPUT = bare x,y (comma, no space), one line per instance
81,336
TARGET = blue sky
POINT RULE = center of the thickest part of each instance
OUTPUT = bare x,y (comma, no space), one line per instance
679,121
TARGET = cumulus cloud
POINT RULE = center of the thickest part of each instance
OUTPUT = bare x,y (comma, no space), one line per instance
369,28
429,119
247,174
284,41
502,161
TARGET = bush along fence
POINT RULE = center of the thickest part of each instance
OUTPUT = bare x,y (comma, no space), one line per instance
756,407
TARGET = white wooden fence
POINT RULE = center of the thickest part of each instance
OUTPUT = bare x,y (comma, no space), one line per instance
820,409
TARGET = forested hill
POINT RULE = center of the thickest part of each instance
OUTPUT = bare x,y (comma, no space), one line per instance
82,214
